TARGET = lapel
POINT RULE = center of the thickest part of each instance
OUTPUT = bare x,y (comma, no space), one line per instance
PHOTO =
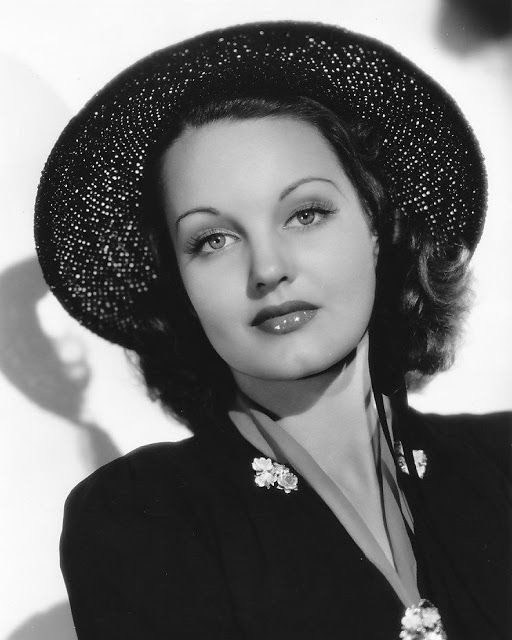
461,513
286,557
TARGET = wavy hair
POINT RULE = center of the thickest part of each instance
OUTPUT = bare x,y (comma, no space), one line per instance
421,291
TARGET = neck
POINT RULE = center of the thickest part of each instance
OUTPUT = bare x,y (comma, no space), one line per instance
327,412
286,398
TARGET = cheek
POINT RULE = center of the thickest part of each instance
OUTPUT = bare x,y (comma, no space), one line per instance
347,271
211,296
219,307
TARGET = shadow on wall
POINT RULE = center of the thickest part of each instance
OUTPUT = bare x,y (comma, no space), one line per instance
54,624
30,360
466,25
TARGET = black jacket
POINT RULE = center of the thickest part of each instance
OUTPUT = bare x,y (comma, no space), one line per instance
175,540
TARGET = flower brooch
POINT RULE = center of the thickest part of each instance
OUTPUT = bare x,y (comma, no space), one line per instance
419,457
271,474
422,622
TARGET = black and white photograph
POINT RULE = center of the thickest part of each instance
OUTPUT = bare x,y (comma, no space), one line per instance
255,312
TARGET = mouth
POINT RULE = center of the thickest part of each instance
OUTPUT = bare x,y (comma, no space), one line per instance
284,318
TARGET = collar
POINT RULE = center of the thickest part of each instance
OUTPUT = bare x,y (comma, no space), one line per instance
398,566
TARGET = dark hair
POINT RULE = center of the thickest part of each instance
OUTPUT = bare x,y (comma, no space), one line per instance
421,292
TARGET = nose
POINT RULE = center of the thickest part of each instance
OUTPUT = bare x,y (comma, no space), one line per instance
271,264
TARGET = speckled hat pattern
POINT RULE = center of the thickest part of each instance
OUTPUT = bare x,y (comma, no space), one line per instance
88,238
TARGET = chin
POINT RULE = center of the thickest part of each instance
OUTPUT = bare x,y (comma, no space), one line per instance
297,367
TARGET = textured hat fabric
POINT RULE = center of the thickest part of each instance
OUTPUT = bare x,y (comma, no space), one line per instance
88,237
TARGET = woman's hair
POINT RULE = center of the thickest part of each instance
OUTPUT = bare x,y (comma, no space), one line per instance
421,291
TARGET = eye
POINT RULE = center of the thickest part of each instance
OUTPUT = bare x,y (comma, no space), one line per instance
306,217
311,215
210,241
217,241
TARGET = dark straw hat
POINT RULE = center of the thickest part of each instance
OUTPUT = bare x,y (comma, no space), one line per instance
87,225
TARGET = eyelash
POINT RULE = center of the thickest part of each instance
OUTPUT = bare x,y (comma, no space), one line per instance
325,209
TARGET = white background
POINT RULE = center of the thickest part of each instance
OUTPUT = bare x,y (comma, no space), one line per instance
69,400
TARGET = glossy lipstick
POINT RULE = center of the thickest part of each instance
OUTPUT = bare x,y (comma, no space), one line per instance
284,318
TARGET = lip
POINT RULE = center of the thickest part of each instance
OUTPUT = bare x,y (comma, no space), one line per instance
285,317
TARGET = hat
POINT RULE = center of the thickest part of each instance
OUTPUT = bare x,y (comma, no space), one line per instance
89,240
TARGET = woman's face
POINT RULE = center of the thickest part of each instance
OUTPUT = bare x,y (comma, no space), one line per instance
273,245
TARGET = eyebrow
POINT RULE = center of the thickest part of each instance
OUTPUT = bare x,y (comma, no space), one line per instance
286,192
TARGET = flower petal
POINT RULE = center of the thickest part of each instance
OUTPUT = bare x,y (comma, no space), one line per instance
262,464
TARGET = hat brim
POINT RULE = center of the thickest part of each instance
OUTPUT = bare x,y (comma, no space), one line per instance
87,223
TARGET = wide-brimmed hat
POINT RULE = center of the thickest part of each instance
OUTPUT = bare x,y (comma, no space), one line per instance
89,239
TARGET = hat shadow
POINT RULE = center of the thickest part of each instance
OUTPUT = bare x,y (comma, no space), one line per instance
30,360
464,26
31,119
56,623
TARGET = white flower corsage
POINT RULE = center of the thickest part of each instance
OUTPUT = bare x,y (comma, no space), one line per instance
420,460
271,474
419,457
422,622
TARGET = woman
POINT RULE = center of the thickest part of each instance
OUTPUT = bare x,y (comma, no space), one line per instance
278,219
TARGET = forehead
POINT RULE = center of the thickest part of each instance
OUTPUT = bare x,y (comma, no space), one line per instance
232,160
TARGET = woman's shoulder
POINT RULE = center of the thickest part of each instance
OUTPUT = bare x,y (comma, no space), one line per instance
136,531
500,421
140,481
493,427
486,436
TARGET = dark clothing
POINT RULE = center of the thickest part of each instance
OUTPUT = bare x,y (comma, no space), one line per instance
175,540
